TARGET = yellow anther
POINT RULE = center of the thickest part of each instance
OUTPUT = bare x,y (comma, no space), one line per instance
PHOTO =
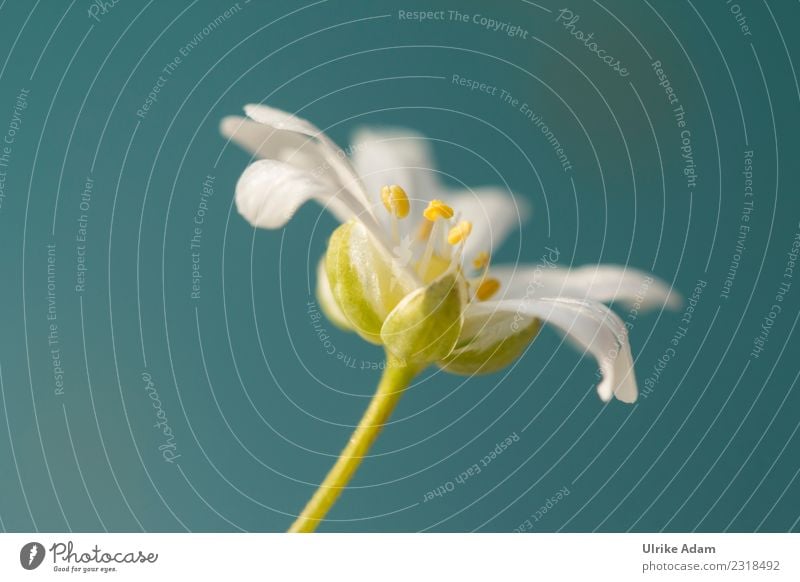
395,200
459,232
487,289
481,260
437,209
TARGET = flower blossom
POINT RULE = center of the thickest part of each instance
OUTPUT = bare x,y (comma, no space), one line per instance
410,267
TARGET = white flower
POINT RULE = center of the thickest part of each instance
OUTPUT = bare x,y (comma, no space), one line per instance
410,266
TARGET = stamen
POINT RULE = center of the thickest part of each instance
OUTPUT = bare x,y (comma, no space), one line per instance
459,232
487,289
428,253
395,200
481,260
446,249
437,209
425,230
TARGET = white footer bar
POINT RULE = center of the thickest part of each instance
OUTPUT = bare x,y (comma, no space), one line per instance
406,557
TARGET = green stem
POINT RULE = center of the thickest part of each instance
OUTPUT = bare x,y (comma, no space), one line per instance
395,379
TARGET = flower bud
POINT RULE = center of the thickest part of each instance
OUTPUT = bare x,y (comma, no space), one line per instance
425,325
363,280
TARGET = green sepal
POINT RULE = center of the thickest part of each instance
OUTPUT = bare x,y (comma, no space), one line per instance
426,324
327,302
490,342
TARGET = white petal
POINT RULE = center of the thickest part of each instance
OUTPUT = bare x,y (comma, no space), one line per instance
334,156
592,326
606,283
269,192
266,142
494,214
280,119
404,157
327,301
335,162
396,156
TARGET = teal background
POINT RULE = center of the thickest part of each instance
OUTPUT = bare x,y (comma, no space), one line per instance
257,407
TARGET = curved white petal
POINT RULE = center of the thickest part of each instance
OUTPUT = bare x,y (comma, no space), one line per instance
334,156
590,325
494,214
280,119
397,156
606,283
335,161
266,142
269,192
